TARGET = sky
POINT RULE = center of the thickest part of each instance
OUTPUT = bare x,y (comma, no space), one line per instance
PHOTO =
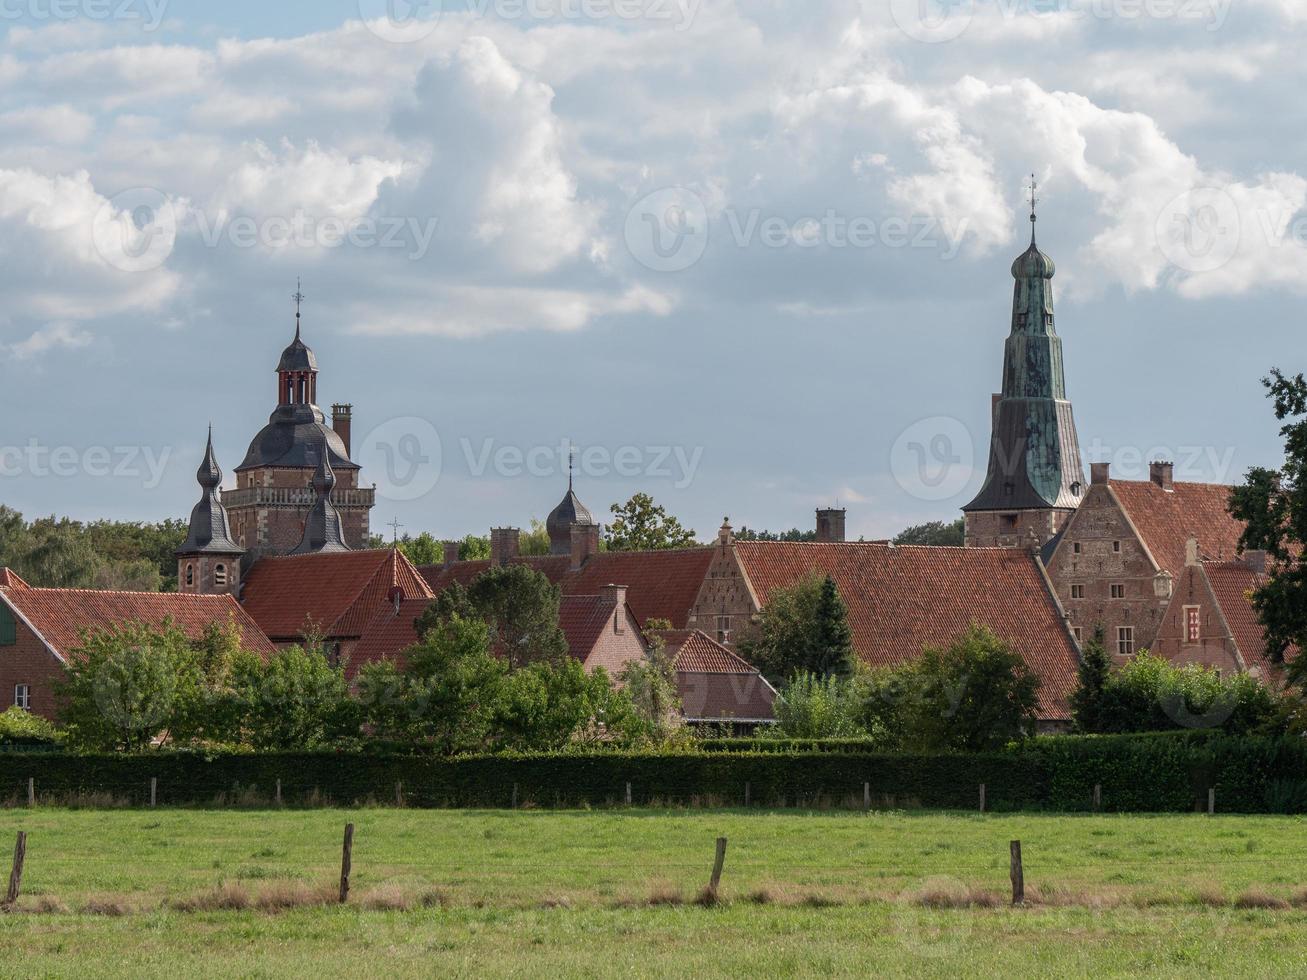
749,256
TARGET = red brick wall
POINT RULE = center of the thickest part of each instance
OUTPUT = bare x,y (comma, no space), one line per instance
614,650
1215,646
1096,527
1012,529
29,662
724,593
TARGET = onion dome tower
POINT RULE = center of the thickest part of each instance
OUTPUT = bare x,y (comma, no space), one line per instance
208,562
569,513
1035,479
323,529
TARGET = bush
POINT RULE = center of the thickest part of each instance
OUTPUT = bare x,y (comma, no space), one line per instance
19,728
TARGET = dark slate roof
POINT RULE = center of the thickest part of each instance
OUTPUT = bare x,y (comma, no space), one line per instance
293,437
323,529
298,356
570,511
210,531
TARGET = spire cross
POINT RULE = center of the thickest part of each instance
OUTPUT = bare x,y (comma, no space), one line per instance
299,298
394,526
1034,186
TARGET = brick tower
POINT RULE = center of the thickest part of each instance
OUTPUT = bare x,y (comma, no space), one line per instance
1035,479
208,562
274,492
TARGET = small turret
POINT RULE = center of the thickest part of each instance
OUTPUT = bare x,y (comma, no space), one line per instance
323,530
208,561
570,513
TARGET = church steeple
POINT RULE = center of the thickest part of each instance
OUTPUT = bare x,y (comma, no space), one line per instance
1035,478
570,512
208,560
323,528
297,371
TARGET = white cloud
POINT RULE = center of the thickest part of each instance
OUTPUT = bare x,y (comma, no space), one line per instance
50,337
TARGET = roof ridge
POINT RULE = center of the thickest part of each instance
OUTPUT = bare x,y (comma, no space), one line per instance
174,595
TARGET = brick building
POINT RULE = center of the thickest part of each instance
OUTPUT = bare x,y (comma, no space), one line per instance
274,482
41,629
1118,559
1034,481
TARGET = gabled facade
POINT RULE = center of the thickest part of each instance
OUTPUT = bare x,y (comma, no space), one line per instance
1117,561
716,686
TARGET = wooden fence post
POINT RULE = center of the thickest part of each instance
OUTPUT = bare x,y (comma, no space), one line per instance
1018,875
31,791
154,790
16,875
278,792
1211,800
748,792
515,796
346,857
1098,797
720,860
399,793
866,796
628,794
982,797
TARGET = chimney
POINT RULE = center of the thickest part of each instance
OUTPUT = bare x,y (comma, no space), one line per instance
505,544
340,421
1100,473
616,594
725,536
1162,474
830,524
585,543
1191,551
451,553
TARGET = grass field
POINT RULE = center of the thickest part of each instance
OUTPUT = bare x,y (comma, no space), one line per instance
137,893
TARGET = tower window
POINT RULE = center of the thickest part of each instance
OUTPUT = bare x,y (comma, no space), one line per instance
220,575
1009,522
190,575
1125,640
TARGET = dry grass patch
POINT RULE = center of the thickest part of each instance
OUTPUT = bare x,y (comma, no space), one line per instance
708,897
1259,898
1210,895
435,898
111,906
286,895
229,897
662,893
386,898
949,893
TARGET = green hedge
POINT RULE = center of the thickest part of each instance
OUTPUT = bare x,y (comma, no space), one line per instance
1137,773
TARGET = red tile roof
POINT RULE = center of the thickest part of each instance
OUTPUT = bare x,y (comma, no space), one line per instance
902,599
1167,520
713,683
582,619
9,579
60,615
1233,583
659,584
339,592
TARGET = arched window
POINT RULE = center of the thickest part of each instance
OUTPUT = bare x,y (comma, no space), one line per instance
190,575
220,575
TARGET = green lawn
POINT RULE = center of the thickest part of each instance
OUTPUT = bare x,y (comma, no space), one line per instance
488,893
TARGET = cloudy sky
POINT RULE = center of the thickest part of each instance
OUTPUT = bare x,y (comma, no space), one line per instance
751,256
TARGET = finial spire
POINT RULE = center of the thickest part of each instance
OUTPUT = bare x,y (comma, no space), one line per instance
1034,186
394,526
298,298
571,464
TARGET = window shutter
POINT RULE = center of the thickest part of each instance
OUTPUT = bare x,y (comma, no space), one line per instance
8,627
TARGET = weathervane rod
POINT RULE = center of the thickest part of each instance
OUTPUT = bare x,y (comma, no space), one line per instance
1034,186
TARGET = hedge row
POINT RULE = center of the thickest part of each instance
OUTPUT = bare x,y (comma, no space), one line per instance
1137,773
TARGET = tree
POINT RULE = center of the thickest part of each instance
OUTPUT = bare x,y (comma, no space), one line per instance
535,541
793,534
934,533
641,525
974,695
123,686
802,628
1087,700
545,706
1273,504
650,682
423,549
295,699
813,706
521,607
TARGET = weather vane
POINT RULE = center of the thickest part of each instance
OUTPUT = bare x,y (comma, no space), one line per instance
298,297
394,526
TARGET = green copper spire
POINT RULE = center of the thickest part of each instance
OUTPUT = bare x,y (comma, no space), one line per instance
1034,459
